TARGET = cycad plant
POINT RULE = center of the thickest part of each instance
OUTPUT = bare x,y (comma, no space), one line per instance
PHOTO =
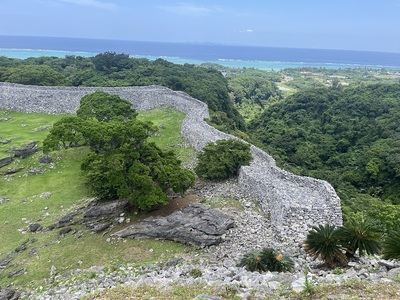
276,261
391,245
324,242
252,262
362,234
267,259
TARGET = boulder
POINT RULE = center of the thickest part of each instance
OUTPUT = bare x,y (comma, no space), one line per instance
195,225
34,227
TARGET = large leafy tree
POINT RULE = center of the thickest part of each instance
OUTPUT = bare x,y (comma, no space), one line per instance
122,163
105,107
223,159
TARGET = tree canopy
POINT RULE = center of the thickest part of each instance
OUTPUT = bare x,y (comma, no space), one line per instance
122,163
223,159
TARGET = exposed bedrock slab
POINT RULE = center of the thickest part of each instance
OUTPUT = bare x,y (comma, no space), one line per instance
195,225
293,203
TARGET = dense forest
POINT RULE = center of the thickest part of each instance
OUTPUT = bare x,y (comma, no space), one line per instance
338,125
349,137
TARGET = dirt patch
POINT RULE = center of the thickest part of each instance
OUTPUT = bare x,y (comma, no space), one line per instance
173,205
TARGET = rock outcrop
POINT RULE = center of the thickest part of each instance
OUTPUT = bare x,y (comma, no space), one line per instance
195,225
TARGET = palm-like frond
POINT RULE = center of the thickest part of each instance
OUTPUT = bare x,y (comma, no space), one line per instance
391,245
323,242
252,262
361,234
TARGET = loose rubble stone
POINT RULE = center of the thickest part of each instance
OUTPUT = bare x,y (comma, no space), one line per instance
35,171
4,199
8,294
45,159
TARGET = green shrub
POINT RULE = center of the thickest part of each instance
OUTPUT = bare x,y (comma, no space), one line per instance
195,273
266,260
391,245
223,159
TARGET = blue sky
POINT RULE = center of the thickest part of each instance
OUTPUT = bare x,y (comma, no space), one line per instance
372,25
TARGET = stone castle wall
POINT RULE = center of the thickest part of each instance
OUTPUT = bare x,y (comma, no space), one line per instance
293,203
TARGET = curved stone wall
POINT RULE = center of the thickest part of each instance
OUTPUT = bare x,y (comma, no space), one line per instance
293,203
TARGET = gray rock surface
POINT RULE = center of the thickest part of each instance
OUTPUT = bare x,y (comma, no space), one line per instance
195,225
6,161
8,294
27,150
106,208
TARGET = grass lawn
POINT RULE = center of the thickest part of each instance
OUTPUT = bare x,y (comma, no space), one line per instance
44,198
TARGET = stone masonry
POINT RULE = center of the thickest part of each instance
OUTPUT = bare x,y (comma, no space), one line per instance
293,203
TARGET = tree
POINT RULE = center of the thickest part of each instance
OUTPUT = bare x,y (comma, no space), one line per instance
105,107
122,163
66,133
109,62
223,159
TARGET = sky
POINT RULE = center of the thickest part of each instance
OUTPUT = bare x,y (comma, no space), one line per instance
368,25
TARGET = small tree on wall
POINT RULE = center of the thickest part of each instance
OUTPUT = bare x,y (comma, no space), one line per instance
223,159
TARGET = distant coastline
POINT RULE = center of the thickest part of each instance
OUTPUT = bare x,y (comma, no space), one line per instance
266,58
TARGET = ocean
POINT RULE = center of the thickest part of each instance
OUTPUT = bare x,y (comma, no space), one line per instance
267,58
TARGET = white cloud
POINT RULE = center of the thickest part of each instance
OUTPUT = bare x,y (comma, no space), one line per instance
190,9
246,31
92,3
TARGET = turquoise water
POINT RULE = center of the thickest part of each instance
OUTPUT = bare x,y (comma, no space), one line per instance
232,63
